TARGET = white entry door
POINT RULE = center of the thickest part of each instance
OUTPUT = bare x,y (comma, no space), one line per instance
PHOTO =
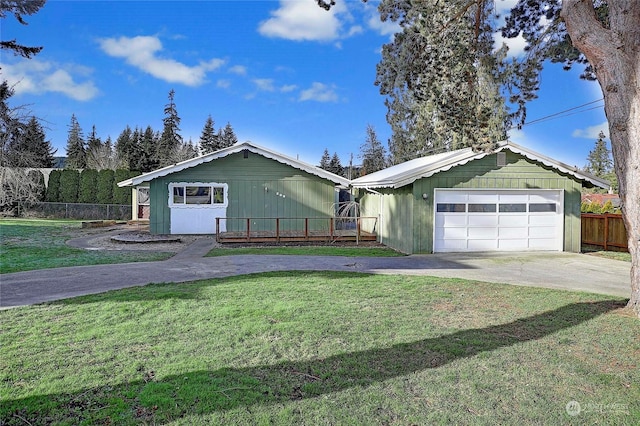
498,220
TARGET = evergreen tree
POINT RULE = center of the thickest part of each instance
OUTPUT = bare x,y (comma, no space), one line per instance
126,148
147,142
325,161
29,147
599,158
87,186
18,9
104,186
335,166
122,195
76,151
209,141
442,87
42,148
227,137
69,186
53,188
93,141
372,152
185,151
170,139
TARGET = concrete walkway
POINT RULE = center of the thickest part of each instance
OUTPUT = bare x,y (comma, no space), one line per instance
554,270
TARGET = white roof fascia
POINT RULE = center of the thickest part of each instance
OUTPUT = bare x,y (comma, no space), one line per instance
406,173
317,171
550,162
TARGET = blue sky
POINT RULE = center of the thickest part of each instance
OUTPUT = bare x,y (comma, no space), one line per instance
286,74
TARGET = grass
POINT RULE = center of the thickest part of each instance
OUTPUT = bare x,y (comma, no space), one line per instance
624,256
321,348
29,244
348,251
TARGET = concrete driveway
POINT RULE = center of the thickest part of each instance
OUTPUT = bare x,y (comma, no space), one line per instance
554,270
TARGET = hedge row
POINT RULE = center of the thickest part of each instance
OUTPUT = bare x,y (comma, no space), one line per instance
89,186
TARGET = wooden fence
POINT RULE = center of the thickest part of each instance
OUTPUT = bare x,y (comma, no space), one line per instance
604,230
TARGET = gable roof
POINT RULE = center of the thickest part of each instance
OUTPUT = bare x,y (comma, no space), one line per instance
248,146
408,172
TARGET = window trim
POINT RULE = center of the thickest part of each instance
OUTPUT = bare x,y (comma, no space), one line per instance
211,205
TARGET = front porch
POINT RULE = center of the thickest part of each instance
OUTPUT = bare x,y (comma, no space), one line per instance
270,230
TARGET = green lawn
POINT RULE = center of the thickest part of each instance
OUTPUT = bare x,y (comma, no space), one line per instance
28,244
321,348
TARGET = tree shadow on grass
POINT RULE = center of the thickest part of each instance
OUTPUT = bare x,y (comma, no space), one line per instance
191,290
202,392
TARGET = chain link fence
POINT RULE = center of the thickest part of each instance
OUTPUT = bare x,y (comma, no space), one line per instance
78,211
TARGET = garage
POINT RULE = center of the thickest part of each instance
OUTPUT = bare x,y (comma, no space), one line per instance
498,220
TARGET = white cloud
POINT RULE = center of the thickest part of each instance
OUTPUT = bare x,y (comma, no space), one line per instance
383,28
141,52
504,6
39,77
238,69
516,45
592,132
319,92
303,20
264,84
288,88
223,84
356,29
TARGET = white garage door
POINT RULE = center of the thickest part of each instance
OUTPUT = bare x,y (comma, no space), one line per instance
498,220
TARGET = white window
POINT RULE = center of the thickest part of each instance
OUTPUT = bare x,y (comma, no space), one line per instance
198,194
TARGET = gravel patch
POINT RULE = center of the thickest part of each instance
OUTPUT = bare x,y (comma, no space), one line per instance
124,238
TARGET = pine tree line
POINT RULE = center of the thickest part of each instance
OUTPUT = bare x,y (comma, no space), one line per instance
144,149
372,153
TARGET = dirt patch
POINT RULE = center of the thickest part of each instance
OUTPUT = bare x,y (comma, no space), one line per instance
131,238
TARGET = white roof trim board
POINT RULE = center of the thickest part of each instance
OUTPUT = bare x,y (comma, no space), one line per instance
393,177
251,147
408,172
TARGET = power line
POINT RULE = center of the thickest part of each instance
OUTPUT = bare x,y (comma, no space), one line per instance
565,113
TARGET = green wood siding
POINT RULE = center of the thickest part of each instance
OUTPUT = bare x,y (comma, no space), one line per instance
258,188
412,232
395,212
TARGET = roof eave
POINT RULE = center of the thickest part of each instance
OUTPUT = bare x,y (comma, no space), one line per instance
256,149
549,162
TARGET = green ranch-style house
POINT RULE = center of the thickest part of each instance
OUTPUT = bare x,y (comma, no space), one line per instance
244,181
510,199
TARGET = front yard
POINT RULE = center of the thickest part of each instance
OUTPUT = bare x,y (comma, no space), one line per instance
322,348
28,244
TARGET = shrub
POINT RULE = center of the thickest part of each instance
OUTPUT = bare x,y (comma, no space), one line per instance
87,190
122,195
69,183
105,186
608,207
53,189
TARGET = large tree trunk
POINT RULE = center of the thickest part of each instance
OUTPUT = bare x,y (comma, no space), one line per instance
615,55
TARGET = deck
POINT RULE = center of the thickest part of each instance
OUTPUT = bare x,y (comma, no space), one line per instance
287,230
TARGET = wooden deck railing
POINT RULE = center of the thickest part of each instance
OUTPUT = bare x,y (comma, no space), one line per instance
280,229
604,230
